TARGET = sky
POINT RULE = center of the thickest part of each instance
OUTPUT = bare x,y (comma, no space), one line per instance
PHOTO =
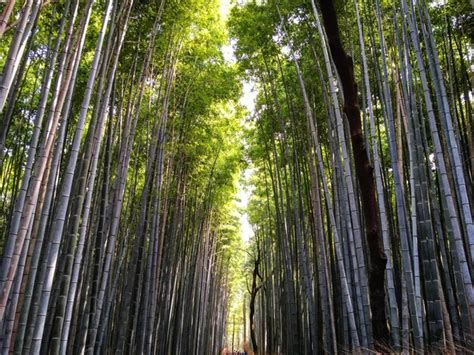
249,94
225,7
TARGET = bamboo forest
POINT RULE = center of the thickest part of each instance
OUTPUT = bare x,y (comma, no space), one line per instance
236,177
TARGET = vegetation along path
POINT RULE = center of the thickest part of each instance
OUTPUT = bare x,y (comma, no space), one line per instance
205,176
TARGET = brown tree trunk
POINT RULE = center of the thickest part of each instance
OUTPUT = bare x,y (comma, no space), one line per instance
253,296
364,171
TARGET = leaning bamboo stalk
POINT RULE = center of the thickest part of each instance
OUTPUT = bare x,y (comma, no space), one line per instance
20,200
61,207
20,225
97,140
18,45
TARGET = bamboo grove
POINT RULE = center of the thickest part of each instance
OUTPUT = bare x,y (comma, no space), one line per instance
122,140
361,143
118,173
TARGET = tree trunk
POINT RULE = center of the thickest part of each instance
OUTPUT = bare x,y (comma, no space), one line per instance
365,175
